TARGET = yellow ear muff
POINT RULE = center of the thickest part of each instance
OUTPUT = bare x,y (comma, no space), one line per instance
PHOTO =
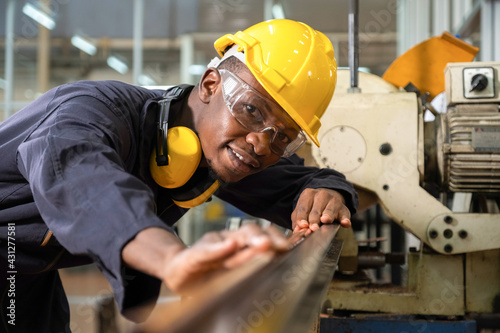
196,198
184,156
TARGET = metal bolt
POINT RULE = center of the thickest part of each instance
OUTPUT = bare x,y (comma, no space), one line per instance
463,234
448,248
448,233
448,219
385,149
433,233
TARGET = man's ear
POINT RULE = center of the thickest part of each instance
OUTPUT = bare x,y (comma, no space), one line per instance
209,84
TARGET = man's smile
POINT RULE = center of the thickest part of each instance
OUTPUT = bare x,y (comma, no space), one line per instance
242,162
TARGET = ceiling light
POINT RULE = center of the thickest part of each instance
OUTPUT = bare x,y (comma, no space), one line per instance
39,15
146,80
118,65
83,45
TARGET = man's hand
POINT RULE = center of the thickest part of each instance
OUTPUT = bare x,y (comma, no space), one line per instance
161,254
317,206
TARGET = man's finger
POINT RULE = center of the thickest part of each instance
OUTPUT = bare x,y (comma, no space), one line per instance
243,256
280,243
346,223
345,217
249,235
204,253
302,209
327,217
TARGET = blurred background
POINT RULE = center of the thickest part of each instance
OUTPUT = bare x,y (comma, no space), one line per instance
45,43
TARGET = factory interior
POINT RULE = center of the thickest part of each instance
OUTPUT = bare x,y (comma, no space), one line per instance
414,125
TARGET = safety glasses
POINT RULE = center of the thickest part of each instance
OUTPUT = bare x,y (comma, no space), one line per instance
259,114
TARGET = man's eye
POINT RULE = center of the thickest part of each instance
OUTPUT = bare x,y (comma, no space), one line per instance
253,112
250,108
282,138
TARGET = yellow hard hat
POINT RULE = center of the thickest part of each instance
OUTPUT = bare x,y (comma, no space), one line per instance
294,63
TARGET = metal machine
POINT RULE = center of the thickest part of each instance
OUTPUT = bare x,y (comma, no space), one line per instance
439,180
269,294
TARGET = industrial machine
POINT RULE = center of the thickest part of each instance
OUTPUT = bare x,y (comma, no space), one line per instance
439,180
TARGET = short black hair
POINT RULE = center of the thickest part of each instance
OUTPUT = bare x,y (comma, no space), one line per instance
233,65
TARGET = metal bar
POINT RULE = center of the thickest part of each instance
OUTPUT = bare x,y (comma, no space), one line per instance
496,30
487,35
187,58
440,17
378,235
397,245
461,9
175,43
43,54
402,27
471,21
268,9
422,21
354,44
411,25
138,36
270,294
9,56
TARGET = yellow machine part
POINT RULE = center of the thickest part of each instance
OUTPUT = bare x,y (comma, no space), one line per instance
423,65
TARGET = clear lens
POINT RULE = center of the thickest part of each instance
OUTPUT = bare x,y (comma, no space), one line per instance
259,114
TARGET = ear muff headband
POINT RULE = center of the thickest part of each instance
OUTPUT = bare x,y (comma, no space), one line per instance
174,163
173,94
199,199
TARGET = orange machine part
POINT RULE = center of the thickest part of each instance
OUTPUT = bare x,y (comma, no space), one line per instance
423,65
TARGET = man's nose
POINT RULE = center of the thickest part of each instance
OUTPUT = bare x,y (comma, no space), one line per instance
261,141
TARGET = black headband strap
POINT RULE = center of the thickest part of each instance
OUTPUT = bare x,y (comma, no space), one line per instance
173,94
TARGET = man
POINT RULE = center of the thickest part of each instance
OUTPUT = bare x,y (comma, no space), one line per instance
89,173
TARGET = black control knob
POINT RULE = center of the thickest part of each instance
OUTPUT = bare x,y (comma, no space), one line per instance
478,83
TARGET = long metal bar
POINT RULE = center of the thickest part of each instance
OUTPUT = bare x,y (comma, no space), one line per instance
470,21
441,17
187,58
461,9
402,27
496,30
268,9
43,54
422,20
487,34
138,36
354,43
268,295
9,56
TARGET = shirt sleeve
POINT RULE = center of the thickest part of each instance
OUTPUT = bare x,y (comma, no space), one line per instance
74,163
273,193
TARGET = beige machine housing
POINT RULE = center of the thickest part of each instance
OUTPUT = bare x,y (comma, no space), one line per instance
377,138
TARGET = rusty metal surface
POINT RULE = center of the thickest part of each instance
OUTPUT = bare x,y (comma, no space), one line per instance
269,294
